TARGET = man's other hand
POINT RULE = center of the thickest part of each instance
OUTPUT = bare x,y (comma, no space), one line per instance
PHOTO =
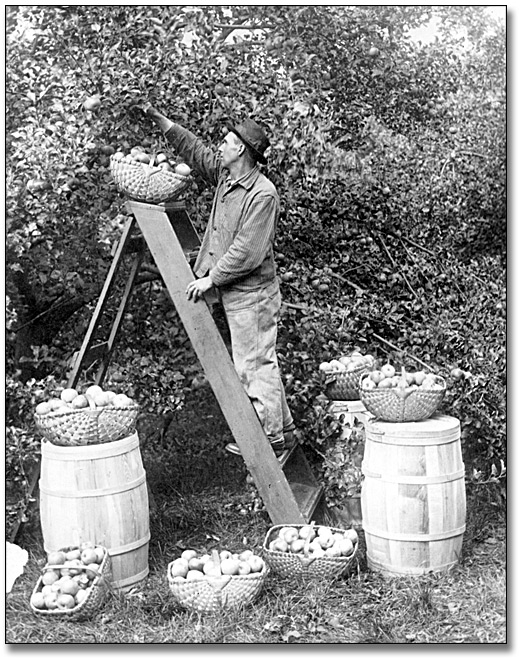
198,287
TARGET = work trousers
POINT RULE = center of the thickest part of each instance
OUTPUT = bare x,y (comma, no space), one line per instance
252,318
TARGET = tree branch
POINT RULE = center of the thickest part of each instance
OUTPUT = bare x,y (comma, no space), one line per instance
389,343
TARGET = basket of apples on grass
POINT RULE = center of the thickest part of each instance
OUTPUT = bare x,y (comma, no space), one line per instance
310,550
149,177
401,397
341,376
214,581
73,583
80,419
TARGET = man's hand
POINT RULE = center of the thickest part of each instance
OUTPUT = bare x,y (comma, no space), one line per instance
198,287
141,107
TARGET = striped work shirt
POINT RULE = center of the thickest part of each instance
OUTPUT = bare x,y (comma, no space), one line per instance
237,248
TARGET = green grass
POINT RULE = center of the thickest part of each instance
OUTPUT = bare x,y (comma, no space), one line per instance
201,500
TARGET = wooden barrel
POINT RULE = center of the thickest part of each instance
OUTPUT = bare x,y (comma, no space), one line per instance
413,496
98,493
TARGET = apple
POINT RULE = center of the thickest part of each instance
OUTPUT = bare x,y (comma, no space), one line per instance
290,535
256,563
43,408
56,558
38,600
297,546
279,545
230,566
194,575
179,568
89,556
86,545
245,555
345,546
306,532
182,169
68,395
388,370
334,550
49,577
351,534
50,601
80,402
187,554
100,554
196,563
244,567
93,390
92,570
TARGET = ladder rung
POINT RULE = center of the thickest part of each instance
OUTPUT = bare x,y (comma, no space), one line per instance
94,353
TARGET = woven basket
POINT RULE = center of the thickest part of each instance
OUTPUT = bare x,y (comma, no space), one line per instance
300,565
344,385
210,594
399,406
144,182
96,593
88,425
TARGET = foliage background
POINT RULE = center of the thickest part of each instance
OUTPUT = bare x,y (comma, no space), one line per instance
389,155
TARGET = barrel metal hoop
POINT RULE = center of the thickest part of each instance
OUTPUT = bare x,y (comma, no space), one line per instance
75,453
125,549
414,480
415,537
83,494
131,581
408,570
426,440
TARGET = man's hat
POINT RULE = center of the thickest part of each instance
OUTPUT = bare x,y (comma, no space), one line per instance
254,137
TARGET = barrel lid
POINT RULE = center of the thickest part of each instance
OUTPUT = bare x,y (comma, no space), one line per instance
439,425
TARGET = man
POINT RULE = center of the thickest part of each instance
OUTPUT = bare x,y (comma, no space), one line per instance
236,259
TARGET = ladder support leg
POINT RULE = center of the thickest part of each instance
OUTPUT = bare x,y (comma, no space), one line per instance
102,303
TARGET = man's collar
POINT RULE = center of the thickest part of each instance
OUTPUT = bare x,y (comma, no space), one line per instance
248,179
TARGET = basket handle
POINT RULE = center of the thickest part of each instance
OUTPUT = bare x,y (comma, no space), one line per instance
72,567
308,539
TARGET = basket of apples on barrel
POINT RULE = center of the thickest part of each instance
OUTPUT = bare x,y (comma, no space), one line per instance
401,396
95,416
341,376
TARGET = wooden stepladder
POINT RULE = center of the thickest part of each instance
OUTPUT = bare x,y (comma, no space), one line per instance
287,486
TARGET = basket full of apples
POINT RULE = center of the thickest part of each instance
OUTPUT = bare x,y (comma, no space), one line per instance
73,583
341,376
149,177
402,396
310,550
214,581
96,416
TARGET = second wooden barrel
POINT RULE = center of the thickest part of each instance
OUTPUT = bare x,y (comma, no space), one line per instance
413,495
98,493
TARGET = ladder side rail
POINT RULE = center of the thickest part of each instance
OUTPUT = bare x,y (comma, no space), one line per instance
219,369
